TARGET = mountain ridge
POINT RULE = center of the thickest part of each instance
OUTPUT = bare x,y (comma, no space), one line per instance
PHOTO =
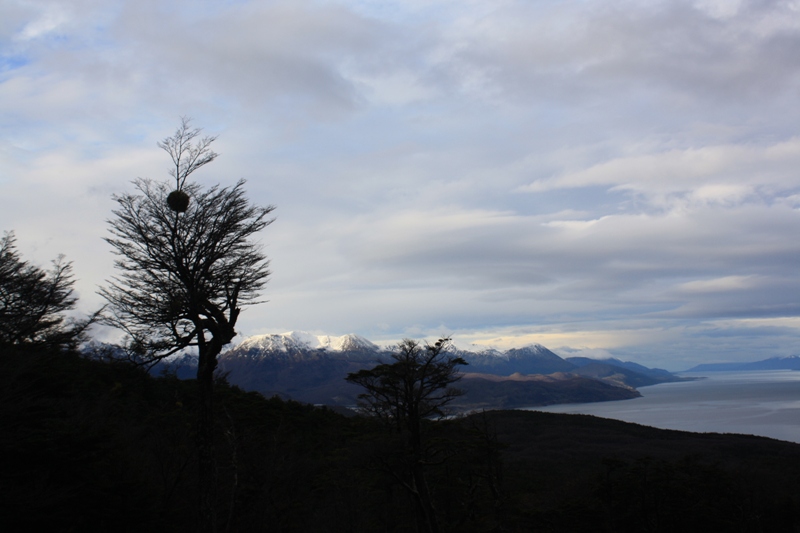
298,340
312,368
790,362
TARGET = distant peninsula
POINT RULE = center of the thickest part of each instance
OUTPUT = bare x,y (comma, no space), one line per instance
791,362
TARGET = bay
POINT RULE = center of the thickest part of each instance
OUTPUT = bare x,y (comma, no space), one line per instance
765,403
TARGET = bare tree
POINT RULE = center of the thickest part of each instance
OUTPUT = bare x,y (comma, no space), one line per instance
33,302
187,156
415,387
187,265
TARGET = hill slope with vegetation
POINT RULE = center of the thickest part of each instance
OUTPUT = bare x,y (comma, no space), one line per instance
96,446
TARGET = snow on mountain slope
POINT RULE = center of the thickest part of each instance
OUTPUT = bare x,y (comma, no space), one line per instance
296,341
347,342
298,346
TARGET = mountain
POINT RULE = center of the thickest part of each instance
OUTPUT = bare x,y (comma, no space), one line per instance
532,359
301,366
299,346
657,373
625,373
791,362
312,368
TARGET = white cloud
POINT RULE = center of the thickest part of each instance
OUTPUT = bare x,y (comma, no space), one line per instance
398,88
607,177
51,18
727,283
713,171
720,9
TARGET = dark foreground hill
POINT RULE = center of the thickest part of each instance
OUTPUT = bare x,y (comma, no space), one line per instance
90,446
584,473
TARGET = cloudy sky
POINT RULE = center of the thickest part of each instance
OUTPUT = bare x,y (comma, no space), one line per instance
604,178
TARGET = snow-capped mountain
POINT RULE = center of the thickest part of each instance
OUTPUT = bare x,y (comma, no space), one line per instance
531,359
295,343
301,365
302,346
312,368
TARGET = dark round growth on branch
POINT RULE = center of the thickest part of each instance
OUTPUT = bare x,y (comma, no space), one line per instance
178,201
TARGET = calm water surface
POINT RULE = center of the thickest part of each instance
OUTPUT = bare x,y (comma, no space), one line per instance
758,403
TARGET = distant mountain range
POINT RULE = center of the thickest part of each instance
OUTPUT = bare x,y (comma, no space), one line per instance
311,368
791,362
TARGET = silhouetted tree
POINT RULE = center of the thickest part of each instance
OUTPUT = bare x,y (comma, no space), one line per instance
415,387
33,301
187,264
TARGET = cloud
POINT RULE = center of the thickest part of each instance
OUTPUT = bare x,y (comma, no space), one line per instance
678,49
728,283
712,174
609,177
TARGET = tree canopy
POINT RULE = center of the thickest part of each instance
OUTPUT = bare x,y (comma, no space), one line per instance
417,385
183,275
186,272
34,301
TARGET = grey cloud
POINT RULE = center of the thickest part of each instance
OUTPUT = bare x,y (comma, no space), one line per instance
586,49
639,263
601,177
713,174
254,54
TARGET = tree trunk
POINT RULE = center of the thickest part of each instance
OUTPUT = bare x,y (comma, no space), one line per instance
425,510
426,515
207,479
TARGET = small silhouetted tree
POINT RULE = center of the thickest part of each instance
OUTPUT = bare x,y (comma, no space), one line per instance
187,265
33,302
415,387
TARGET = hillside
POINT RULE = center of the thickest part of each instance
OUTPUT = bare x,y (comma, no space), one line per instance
625,372
582,473
486,391
95,446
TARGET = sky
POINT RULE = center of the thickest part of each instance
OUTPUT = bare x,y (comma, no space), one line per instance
603,178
